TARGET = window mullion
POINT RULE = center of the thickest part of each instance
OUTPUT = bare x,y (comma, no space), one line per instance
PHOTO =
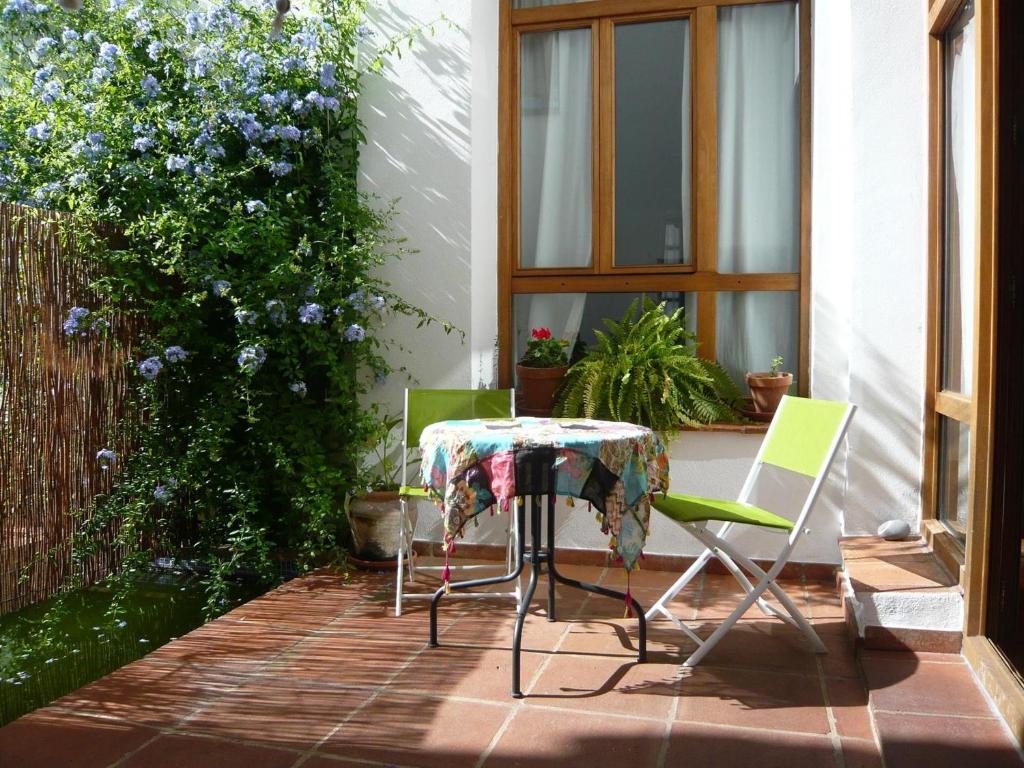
704,179
604,148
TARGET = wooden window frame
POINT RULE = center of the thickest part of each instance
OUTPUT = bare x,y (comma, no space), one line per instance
701,276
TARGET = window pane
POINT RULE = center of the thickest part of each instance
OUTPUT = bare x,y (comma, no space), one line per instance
539,3
753,327
574,316
961,207
954,475
652,143
555,149
758,139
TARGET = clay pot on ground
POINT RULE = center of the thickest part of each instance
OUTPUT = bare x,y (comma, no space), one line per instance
767,389
538,387
375,520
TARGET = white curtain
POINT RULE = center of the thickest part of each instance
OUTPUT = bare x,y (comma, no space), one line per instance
961,210
555,166
758,180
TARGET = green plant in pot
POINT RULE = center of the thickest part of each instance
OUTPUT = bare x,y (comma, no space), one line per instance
374,516
540,371
645,370
768,387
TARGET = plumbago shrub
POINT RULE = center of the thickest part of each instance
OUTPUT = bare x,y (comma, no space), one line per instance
224,158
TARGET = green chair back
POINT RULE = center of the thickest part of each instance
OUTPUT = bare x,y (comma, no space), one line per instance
802,434
426,406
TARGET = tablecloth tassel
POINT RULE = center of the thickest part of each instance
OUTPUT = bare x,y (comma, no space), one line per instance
569,502
446,575
629,598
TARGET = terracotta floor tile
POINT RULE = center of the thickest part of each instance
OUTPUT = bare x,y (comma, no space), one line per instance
419,731
228,645
45,739
849,701
705,745
719,601
762,645
174,751
841,659
541,737
642,579
861,753
345,660
911,741
753,699
277,713
152,694
903,684
468,671
620,638
606,684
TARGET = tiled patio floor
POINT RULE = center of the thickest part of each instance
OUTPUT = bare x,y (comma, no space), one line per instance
319,674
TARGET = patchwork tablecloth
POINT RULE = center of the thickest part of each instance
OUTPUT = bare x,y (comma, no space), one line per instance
473,466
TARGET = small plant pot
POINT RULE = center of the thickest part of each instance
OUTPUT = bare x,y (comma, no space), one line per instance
538,387
375,520
767,390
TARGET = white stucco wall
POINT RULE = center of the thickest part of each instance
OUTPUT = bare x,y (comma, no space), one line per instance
431,120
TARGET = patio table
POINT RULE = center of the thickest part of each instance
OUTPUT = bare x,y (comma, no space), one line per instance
476,465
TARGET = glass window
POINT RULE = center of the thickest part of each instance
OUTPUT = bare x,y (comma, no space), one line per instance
539,3
758,139
954,475
556,201
755,326
575,316
960,206
652,143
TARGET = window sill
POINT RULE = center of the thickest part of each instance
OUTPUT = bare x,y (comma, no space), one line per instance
738,429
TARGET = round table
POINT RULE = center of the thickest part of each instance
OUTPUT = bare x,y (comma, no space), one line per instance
476,465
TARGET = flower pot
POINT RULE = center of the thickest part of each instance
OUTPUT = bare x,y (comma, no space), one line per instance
538,387
375,521
767,390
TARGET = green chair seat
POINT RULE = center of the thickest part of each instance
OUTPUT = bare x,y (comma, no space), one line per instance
413,490
693,509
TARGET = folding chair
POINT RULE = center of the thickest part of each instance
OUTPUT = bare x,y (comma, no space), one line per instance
424,407
803,438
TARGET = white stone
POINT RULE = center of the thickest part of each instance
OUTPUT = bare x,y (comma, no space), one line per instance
894,530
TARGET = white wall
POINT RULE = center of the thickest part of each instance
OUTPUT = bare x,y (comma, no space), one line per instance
432,127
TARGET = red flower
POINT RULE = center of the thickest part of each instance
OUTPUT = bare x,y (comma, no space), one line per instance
541,333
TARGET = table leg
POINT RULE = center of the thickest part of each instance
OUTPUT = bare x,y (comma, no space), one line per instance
554,575
535,558
551,555
520,513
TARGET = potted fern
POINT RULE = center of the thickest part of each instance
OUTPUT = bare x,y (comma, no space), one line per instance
540,371
768,387
645,370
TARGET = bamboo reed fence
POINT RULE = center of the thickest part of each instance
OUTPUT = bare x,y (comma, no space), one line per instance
62,399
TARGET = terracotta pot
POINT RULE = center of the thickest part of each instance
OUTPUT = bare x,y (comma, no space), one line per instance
538,387
374,520
767,390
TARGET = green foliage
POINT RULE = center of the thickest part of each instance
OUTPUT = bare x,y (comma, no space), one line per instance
543,350
645,370
226,162
777,362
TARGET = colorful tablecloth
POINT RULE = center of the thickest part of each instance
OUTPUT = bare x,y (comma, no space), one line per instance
472,466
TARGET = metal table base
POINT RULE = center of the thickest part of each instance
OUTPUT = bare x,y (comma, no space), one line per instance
537,556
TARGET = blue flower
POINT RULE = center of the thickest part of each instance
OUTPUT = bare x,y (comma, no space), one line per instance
22,6
220,287
276,311
358,300
331,104
176,163
245,317
77,179
68,35
364,32
328,78
109,53
251,128
75,317
281,168
298,388
214,151
153,49
150,86
256,206
311,314
43,45
377,302
39,132
251,358
47,192
150,368
315,99
268,103
288,132
106,457
99,75
306,39
194,22
175,354
52,91
143,144
355,332
162,494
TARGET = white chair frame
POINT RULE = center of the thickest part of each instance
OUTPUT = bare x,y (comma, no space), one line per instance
406,533
717,545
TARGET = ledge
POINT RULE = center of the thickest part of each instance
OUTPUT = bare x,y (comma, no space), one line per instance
738,429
